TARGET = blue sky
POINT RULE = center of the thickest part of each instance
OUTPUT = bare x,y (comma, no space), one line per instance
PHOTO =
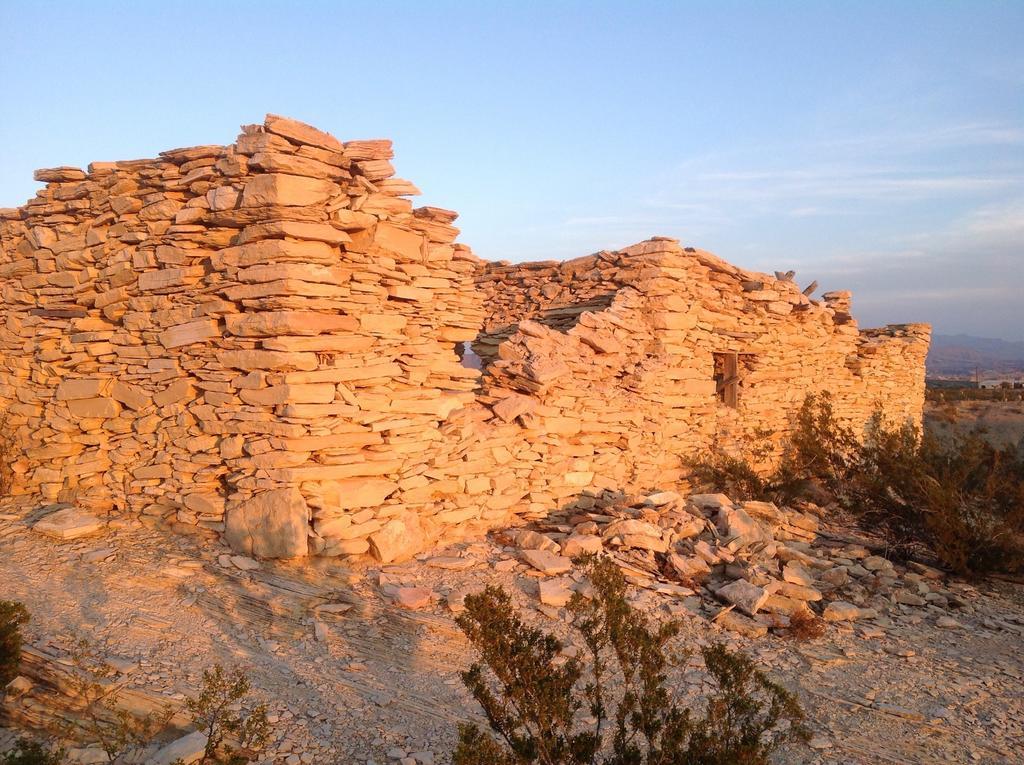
872,146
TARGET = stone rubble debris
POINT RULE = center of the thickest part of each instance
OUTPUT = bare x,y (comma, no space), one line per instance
765,563
340,630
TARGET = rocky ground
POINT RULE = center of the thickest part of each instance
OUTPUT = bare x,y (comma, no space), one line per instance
360,665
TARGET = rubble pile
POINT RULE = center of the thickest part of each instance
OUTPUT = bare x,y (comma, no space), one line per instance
750,567
380,644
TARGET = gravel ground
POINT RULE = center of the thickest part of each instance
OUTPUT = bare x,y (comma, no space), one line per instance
351,678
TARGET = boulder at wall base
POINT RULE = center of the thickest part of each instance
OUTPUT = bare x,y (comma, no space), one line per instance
69,523
274,524
401,537
736,524
188,748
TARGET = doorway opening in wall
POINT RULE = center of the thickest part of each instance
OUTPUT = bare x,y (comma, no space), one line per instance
468,357
727,378
470,360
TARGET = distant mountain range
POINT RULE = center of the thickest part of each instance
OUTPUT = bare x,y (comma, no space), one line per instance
962,355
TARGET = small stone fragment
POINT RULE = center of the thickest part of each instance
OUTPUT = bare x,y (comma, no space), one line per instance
413,598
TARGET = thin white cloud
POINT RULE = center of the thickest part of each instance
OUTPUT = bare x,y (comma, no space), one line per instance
917,235
958,294
989,228
828,182
843,174
979,237
1004,221
971,134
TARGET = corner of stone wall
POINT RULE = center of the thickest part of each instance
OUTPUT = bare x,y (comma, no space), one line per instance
237,337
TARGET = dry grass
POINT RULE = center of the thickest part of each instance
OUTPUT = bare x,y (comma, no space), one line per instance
1001,422
804,626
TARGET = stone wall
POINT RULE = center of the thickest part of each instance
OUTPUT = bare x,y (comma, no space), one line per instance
551,292
631,391
265,338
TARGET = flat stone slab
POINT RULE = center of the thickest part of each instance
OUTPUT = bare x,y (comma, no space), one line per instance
555,592
457,597
244,562
451,563
186,749
747,597
580,544
741,624
794,573
69,523
97,556
841,611
546,561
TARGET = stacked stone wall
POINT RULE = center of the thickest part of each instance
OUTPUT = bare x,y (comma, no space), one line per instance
553,293
631,394
264,339
265,324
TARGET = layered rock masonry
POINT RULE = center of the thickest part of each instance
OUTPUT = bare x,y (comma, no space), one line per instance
689,354
267,339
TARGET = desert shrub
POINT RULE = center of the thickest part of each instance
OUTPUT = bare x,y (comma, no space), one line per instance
121,735
970,503
233,737
28,752
820,452
971,393
821,448
735,477
961,497
534,698
948,414
740,727
215,712
13,616
739,480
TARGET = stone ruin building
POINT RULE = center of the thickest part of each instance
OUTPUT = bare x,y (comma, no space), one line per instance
267,339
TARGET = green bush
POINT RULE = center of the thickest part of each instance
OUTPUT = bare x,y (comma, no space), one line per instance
233,737
737,478
937,394
13,616
962,498
214,712
32,753
121,735
533,697
818,454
